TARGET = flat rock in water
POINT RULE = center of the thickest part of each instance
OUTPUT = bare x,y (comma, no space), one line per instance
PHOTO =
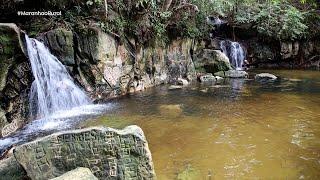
77,174
173,87
265,77
107,152
232,74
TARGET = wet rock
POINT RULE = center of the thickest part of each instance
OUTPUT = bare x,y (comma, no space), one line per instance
11,169
211,61
78,174
173,87
60,43
189,173
107,152
232,74
265,77
183,82
208,78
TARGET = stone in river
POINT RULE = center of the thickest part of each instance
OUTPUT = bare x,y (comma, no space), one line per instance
107,152
265,77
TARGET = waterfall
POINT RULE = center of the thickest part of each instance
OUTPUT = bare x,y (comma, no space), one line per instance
53,88
234,52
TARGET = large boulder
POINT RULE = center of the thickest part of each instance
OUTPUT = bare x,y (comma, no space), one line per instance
211,61
78,174
107,152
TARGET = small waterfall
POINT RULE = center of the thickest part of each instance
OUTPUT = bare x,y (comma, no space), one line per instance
52,89
234,52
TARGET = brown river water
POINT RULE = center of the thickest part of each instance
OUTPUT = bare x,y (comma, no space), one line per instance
236,129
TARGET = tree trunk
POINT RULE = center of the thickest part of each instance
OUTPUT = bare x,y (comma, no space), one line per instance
106,8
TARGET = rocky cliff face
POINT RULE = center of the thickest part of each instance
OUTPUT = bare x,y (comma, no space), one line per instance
15,79
102,65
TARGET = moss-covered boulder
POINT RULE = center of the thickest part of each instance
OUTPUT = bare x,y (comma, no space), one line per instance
211,61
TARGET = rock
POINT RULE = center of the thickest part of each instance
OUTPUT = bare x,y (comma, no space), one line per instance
189,174
171,110
183,82
232,74
60,43
218,78
11,169
78,174
260,53
211,61
10,128
173,87
289,49
207,78
15,75
11,45
3,119
107,152
178,60
265,77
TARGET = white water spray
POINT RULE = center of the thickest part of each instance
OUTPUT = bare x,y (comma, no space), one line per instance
53,89
234,52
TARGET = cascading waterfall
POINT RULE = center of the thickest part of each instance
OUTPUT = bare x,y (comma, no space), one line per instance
52,89
234,52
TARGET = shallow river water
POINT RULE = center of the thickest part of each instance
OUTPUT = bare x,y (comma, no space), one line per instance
234,129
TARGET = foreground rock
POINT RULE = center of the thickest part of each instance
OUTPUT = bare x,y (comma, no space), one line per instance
108,153
78,174
232,74
11,169
265,77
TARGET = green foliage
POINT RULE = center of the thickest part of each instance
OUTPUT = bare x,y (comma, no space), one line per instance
274,19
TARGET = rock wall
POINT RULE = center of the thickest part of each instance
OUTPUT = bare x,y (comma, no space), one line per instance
288,54
107,67
15,79
102,64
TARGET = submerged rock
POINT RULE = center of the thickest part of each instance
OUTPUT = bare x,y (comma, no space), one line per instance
189,174
107,152
232,74
78,174
171,110
265,77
